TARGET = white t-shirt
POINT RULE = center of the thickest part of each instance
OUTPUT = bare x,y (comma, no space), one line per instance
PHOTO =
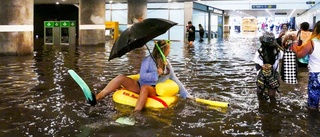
258,60
314,60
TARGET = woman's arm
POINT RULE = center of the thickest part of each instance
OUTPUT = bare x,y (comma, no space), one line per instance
284,40
257,59
148,70
303,50
193,29
281,34
182,91
288,36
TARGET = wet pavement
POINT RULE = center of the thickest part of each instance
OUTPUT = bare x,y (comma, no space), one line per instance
39,98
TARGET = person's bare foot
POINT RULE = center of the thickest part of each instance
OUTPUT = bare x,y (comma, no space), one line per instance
190,46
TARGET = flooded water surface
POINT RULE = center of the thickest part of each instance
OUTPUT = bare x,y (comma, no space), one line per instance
39,97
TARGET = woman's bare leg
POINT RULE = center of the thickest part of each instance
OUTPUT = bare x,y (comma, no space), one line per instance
190,44
114,84
145,91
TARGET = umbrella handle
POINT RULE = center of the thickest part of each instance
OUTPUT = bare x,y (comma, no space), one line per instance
151,55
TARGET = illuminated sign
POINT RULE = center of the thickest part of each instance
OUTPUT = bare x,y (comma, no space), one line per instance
264,6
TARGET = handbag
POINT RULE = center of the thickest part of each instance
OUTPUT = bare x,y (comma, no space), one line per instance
299,40
289,68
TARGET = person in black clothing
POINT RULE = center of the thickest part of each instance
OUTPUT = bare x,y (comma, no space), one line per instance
267,59
191,33
201,32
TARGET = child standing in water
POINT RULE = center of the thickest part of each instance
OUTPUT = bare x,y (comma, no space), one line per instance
267,59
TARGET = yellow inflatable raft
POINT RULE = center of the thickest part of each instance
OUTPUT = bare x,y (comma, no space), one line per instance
166,91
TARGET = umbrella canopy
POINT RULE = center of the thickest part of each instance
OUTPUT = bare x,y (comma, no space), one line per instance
139,34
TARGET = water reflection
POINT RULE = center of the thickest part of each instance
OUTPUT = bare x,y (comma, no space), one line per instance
39,98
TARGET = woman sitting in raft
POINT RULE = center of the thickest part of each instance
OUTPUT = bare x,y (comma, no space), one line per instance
151,72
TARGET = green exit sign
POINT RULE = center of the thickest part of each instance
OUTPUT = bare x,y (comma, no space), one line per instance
73,24
65,24
48,24
56,24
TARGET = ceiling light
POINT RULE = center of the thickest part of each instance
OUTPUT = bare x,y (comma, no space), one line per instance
57,3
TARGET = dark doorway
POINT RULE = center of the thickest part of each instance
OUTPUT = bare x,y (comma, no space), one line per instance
53,12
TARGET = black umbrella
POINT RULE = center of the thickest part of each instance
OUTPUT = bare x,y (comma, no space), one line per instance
138,35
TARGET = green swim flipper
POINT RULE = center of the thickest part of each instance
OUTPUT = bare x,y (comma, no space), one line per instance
91,99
